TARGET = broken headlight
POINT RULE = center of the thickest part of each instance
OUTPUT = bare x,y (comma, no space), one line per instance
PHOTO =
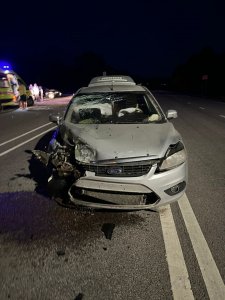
84,153
175,156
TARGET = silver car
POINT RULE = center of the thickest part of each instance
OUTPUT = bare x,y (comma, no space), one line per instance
115,148
51,94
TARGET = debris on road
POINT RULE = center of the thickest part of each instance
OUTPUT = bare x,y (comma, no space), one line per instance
108,228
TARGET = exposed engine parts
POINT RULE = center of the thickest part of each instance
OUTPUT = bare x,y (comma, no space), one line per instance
61,159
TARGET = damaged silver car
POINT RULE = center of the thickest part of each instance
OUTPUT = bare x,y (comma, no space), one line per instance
115,148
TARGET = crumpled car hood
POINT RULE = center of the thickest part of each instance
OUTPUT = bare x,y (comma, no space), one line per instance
126,140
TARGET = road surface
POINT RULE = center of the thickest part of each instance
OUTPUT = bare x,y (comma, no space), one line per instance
51,252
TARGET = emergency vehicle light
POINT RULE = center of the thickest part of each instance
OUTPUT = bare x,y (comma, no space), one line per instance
5,65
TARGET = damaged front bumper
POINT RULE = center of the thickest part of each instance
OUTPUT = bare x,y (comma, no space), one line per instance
85,188
150,191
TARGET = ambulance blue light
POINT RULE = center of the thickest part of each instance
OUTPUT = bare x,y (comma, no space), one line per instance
5,65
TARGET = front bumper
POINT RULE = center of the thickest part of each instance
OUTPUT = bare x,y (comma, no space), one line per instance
144,192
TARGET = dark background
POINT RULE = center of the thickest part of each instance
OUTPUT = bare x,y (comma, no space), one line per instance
168,44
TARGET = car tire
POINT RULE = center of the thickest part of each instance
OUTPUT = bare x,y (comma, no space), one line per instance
58,189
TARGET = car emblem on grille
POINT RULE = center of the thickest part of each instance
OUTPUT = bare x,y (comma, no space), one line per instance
114,171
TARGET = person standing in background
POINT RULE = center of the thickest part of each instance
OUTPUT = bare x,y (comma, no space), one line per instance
36,92
14,84
32,91
22,96
41,93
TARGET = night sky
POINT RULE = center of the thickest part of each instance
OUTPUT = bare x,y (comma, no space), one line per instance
149,38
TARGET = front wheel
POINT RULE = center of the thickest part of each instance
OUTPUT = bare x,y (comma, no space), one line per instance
58,189
30,101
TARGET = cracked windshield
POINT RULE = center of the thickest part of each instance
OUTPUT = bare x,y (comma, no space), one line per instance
113,108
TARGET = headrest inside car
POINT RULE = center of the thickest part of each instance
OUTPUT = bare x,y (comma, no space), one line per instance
90,113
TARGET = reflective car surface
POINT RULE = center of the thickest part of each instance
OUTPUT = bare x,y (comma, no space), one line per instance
116,148
7,94
52,93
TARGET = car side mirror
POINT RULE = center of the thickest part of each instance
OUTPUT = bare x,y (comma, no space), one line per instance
55,118
171,114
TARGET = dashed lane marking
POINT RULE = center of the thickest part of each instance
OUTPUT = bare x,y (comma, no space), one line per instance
11,140
222,116
220,102
25,142
179,278
210,273
39,108
202,107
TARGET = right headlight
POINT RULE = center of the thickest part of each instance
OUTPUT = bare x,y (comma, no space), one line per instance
83,153
175,156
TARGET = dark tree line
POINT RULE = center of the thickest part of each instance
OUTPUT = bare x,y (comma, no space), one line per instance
51,70
203,73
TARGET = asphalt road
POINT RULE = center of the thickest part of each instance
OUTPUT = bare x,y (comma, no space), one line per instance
51,252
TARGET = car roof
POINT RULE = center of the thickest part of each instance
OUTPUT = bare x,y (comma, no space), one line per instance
114,83
109,80
10,71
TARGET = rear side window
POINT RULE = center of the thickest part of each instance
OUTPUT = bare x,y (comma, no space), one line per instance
4,83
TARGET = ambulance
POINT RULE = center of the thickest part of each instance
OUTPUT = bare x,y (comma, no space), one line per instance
8,95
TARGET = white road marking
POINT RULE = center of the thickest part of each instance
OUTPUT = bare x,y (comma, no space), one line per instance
39,108
179,278
222,116
213,281
25,142
220,102
202,107
25,134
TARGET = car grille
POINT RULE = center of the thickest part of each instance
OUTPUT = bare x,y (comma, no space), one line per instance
134,169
